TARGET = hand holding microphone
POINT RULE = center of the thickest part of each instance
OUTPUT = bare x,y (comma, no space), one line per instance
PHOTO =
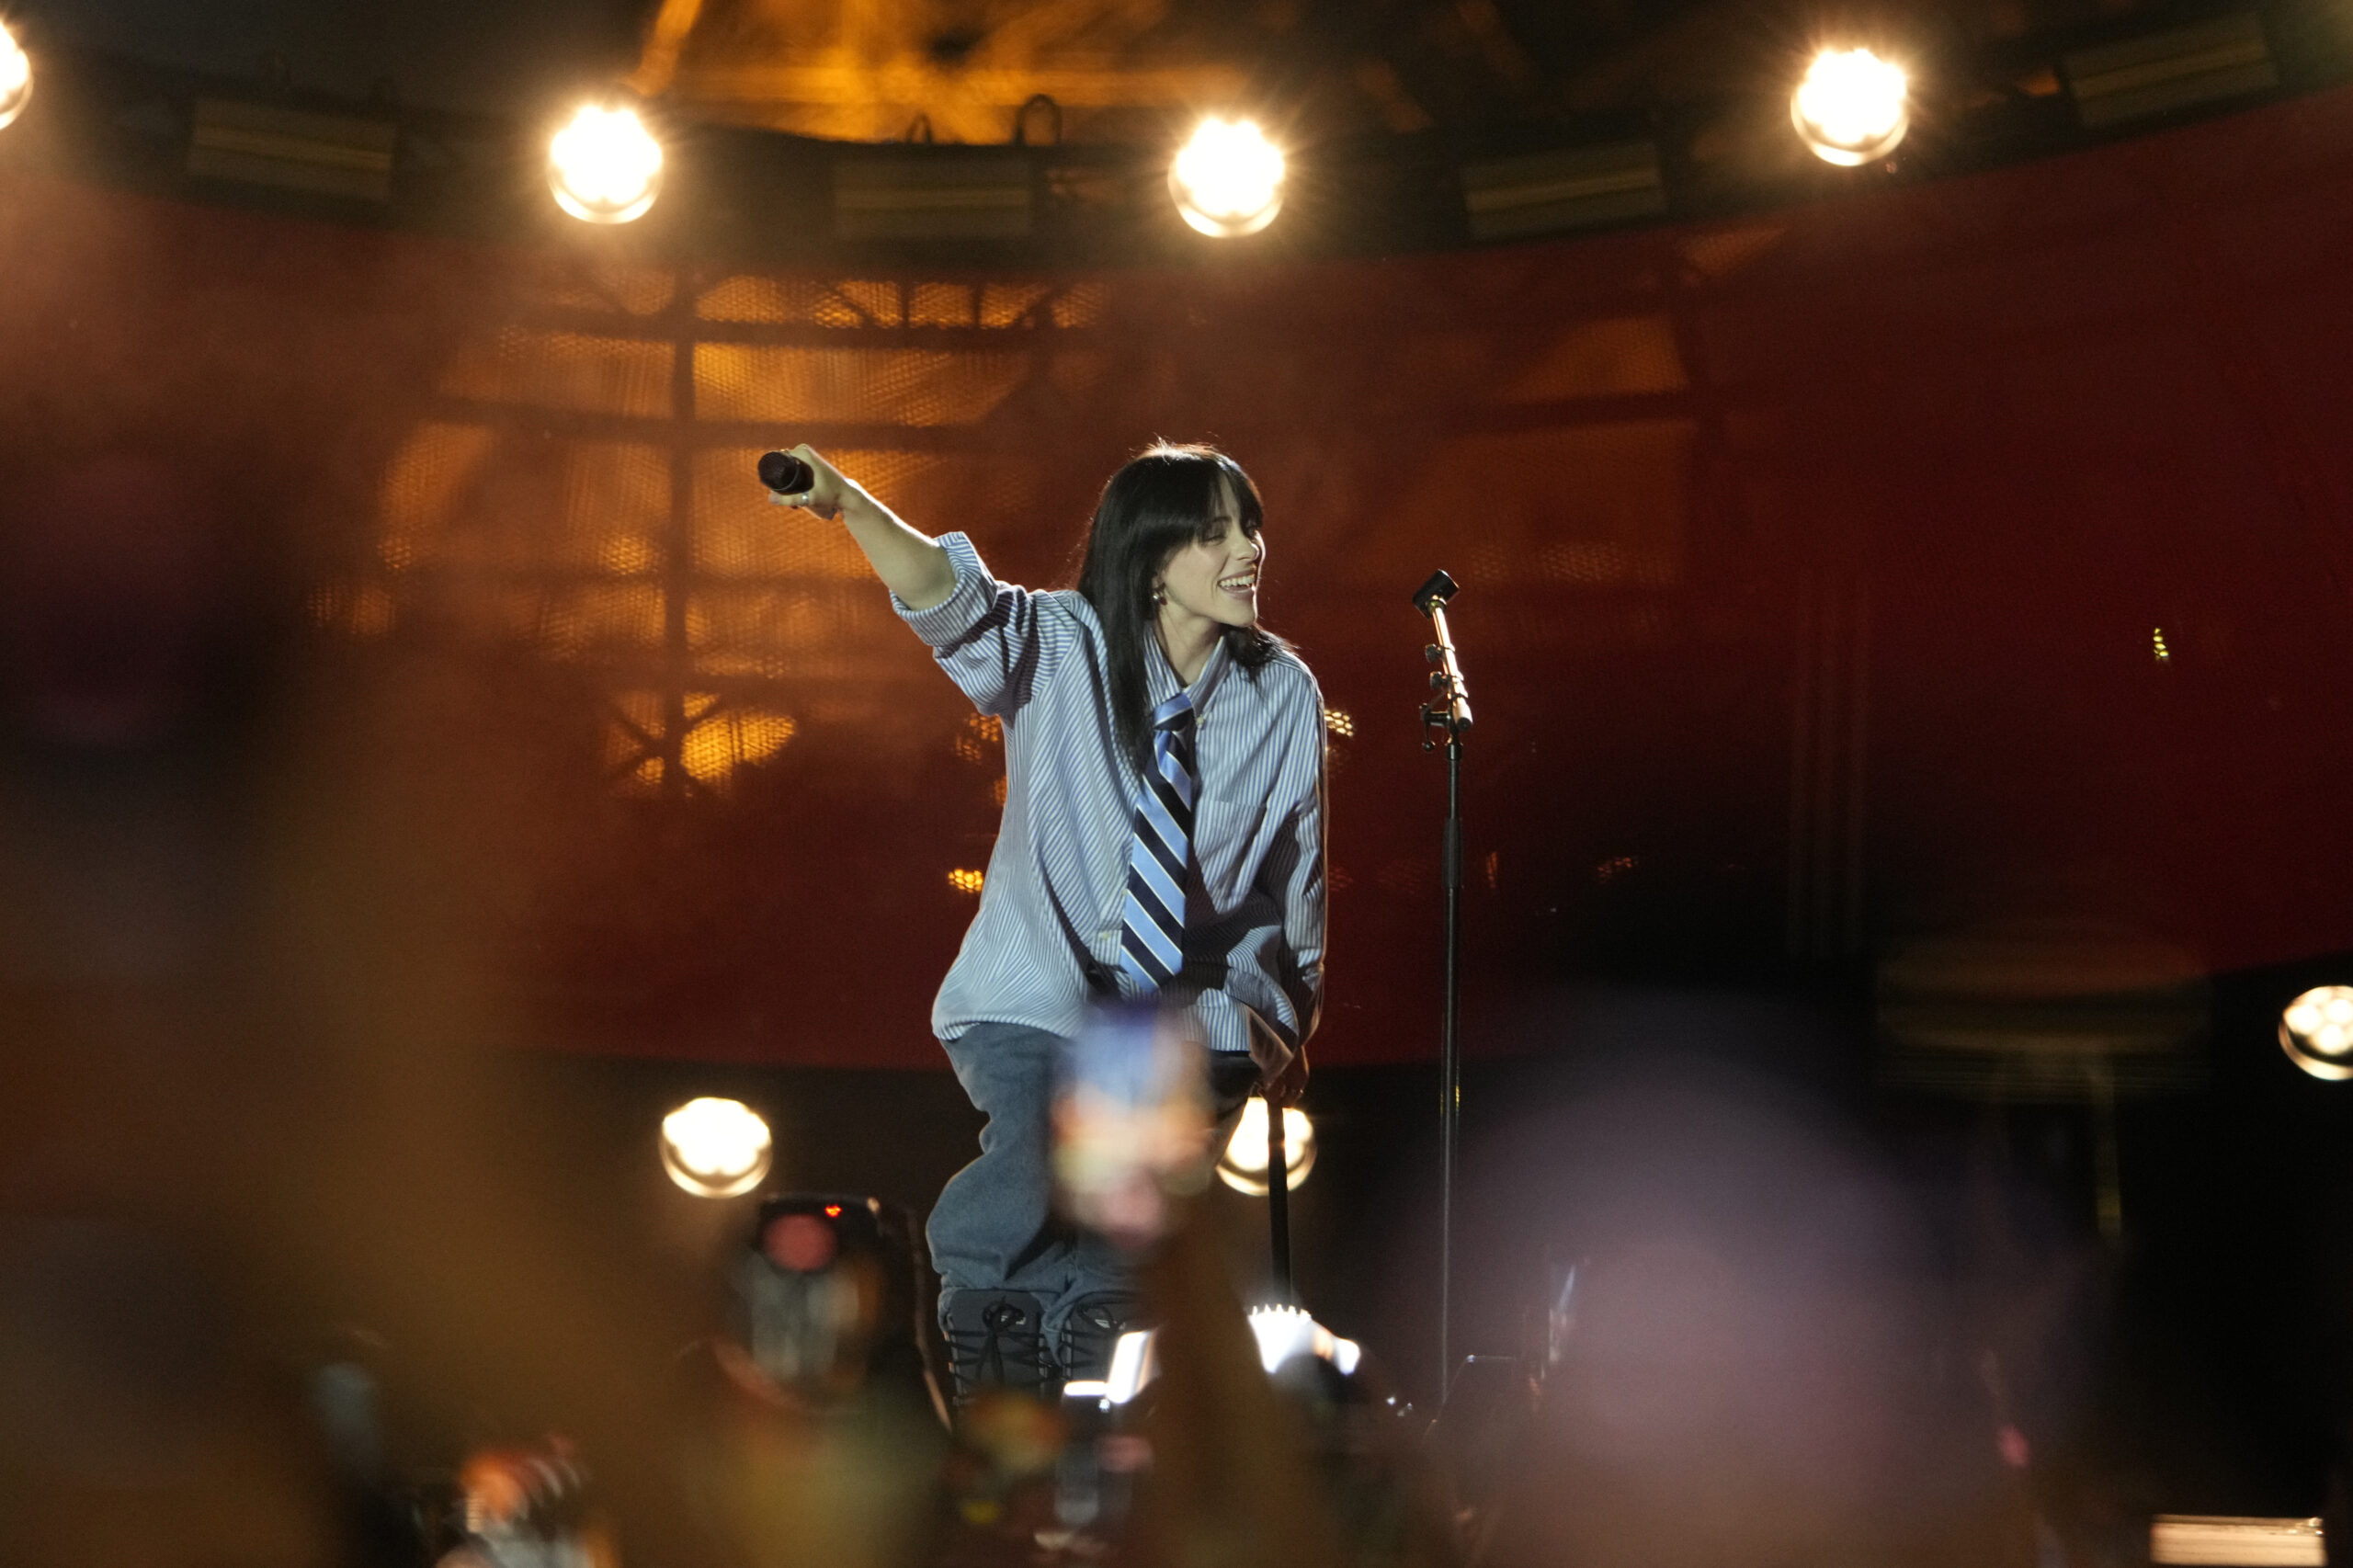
912,566
801,478
785,474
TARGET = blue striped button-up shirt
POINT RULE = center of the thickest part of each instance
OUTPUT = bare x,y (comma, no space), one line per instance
1046,940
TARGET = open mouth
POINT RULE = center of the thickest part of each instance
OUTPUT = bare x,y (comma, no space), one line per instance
1245,584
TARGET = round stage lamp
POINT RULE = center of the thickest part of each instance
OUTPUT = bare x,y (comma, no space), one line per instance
1853,107
1228,180
1243,1166
16,77
2316,1031
605,167
716,1148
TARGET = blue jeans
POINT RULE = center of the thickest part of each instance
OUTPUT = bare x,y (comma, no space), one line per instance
994,1227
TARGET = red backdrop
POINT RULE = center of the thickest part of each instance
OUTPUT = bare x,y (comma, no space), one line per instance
1912,564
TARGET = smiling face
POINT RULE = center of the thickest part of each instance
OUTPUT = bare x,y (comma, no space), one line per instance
1215,577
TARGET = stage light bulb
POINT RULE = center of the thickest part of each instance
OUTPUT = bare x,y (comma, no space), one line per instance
605,167
716,1148
2316,1031
1852,108
1243,1166
16,77
1228,180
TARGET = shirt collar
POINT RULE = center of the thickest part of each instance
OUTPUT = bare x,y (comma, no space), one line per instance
1160,677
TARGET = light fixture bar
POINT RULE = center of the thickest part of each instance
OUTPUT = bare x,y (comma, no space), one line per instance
1576,188
2226,58
323,154
929,197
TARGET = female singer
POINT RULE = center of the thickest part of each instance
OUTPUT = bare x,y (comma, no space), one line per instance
1163,838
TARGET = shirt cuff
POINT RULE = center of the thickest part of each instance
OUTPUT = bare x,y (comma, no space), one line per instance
1225,1023
970,599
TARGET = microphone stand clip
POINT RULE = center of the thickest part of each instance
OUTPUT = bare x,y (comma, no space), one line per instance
1449,709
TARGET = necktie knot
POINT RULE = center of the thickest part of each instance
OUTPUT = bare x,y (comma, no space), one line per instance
1177,711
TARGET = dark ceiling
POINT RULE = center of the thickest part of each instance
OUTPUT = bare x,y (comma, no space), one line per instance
1118,70
502,58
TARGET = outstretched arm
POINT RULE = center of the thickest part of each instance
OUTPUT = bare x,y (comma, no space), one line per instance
993,639
911,565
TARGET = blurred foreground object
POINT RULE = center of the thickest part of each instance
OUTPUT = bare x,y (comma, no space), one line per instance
1107,1450
1220,1436
2064,1011
2041,1010
1493,1407
2217,1539
817,1432
827,1306
527,1508
1131,1124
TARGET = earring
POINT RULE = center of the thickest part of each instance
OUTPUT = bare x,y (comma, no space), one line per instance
1160,594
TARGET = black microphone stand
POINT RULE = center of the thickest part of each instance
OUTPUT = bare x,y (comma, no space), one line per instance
1278,1203
1447,714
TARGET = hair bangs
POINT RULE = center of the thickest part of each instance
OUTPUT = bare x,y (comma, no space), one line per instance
1161,500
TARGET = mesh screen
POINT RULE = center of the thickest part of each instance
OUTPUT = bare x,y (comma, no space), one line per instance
572,370
1981,442
914,387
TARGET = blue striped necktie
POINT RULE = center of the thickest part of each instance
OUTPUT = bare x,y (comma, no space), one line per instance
1152,927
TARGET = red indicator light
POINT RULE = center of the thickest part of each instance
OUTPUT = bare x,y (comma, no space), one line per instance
833,1210
801,1242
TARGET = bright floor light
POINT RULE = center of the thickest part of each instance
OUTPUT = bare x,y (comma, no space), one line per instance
1853,107
16,77
1228,180
716,1148
2316,1031
605,167
1243,1166
1285,1333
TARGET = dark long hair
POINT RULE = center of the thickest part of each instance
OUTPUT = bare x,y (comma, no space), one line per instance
1159,502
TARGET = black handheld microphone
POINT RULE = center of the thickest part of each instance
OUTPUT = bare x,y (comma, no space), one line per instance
786,474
